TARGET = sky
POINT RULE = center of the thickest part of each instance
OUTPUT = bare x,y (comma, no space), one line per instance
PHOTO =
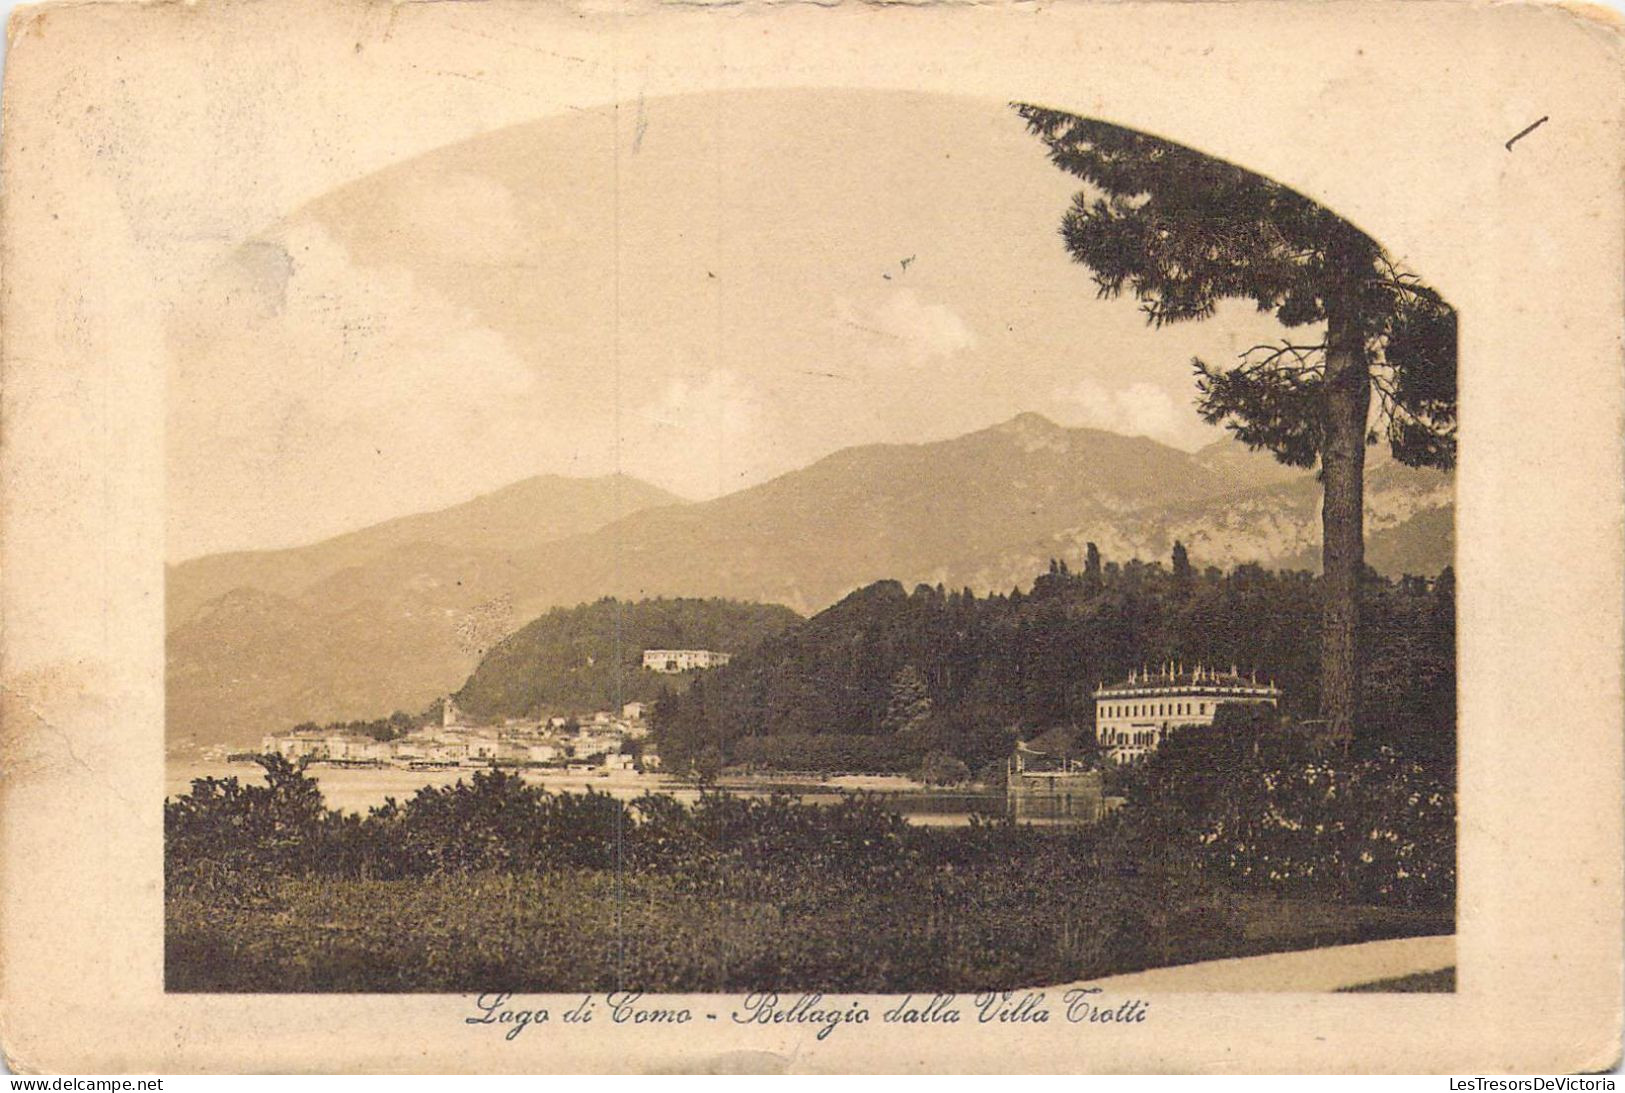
702,292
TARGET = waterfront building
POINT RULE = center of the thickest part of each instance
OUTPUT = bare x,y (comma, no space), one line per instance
1134,716
296,745
541,752
1053,788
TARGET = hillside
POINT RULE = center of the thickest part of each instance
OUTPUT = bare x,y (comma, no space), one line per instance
907,511
1245,469
515,517
1409,521
385,618
378,621
590,657
912,672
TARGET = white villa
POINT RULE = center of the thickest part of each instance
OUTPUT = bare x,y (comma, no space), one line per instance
1133,717
683,660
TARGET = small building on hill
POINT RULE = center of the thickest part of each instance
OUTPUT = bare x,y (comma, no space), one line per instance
1134,716
683,660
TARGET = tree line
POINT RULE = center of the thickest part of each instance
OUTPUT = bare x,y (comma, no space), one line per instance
895,675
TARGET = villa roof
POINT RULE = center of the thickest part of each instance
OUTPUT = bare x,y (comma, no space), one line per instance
1172,677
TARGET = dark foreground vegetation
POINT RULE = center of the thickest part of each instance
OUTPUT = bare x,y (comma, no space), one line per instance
497,885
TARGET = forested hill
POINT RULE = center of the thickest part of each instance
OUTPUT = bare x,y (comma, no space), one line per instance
937,671
590,657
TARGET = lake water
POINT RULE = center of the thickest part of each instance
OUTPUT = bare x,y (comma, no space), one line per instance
357,789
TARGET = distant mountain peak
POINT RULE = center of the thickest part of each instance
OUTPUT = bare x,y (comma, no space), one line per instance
1029,421
1035,432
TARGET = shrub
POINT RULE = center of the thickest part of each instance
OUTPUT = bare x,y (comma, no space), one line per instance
223,836
498,885
1379,829
940,769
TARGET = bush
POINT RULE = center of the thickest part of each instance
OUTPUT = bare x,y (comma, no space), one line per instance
940,769
223,836
1379,829
495,884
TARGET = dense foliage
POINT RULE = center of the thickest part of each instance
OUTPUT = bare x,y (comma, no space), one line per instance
1181,230
497,885
591,657
1260,810
900,674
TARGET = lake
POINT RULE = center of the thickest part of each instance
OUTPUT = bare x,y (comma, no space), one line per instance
357,789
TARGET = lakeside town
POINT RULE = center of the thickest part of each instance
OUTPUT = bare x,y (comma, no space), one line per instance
599,741
603,740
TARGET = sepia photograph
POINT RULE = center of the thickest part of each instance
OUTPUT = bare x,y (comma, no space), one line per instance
705,545
667,537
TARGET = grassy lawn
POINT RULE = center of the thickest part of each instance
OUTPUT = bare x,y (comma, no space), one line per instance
591,930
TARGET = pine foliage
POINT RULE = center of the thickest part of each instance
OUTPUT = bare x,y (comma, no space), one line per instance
1181,231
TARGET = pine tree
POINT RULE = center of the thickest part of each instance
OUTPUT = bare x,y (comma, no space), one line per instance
1184,578
910,703
1091,569
1182,231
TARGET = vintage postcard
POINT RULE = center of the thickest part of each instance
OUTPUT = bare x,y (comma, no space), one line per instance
1002,537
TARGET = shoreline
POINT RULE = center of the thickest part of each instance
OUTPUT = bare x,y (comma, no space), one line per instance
356,788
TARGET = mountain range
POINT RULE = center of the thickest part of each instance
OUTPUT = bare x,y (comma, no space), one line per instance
392,616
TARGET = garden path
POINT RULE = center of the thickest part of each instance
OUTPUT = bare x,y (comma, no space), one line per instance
1333,968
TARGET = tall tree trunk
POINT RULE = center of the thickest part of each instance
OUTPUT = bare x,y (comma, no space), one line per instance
1348,405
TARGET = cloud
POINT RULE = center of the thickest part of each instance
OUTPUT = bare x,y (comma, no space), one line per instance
1140,409
920,331
298,373
700,434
